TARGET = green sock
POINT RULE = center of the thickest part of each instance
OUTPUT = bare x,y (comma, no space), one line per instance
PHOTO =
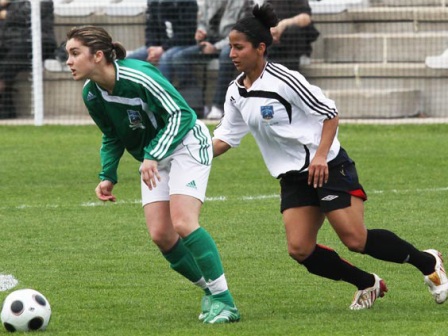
204,250
182,261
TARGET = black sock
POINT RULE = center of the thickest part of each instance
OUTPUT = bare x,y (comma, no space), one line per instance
326,263
386,245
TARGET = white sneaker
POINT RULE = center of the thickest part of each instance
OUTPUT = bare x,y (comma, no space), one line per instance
437,62
437,282
365,298
215,113
305,60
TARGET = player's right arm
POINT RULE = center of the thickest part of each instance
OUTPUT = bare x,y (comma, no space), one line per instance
232,128
219,147
104,191
112,148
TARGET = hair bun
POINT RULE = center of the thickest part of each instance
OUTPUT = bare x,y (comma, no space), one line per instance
266,14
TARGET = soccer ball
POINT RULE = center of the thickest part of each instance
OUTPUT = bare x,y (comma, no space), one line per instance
25,310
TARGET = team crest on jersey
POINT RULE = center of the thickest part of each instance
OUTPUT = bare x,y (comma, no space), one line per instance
135,119
267,112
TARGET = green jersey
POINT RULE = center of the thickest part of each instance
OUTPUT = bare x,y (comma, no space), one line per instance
144,114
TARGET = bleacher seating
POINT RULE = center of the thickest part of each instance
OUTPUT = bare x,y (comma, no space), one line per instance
369,57
98,7
126,8
335,6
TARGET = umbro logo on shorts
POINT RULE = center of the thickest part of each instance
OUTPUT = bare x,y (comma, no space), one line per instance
329,198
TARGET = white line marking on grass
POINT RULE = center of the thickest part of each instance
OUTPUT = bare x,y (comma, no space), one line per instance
406,191
7,281
229,198
259,197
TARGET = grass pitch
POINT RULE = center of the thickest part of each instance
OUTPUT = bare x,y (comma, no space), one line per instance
102,275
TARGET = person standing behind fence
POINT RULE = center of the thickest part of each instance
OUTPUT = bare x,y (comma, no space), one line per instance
296,129
16,46
294,34
170,27
138,110
215,19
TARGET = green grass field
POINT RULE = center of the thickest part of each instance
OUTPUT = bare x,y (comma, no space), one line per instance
103,276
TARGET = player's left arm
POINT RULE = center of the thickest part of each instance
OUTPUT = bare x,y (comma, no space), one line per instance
177,116
318,169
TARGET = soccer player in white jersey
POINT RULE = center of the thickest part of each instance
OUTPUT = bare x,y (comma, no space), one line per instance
138,110
295,127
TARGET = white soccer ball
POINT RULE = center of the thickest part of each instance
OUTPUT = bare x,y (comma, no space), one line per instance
25,310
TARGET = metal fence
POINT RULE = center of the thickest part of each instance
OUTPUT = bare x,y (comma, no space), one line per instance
378,59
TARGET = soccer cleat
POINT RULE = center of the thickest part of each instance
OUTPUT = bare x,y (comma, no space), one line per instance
437,282
206,303
222,313
365,298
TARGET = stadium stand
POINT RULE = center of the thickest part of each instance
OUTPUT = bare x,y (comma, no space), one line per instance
126,8
80,7
369,58
335,6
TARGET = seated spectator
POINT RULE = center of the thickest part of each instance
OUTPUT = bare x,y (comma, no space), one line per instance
215,20
16,46
170,26
3,6
438,62
294,33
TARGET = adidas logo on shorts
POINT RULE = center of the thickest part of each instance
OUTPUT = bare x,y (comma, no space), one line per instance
191,184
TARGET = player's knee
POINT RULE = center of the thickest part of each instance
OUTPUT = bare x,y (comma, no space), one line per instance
355,244
163,240
298,253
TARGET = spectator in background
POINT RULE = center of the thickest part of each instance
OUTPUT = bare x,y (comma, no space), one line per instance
16,46
294,34
215,20
170,26
3,6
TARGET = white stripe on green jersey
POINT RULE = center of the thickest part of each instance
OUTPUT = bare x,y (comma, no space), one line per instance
144,114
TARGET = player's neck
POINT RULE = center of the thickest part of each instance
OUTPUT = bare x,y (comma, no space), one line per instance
253,74
105,78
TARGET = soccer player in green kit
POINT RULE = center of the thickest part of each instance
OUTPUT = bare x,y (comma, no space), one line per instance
138,110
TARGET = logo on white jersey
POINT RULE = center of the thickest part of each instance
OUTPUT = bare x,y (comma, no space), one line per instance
135,119
329,198
267,112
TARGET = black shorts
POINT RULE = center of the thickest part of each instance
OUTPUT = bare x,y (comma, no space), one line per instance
335,194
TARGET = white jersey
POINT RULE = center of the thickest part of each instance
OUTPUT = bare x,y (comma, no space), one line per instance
285,115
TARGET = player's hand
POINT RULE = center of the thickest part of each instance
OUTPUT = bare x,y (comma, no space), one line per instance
104,191
150,174
318,172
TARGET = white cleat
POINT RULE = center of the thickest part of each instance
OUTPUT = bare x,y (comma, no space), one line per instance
437,282
365,298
